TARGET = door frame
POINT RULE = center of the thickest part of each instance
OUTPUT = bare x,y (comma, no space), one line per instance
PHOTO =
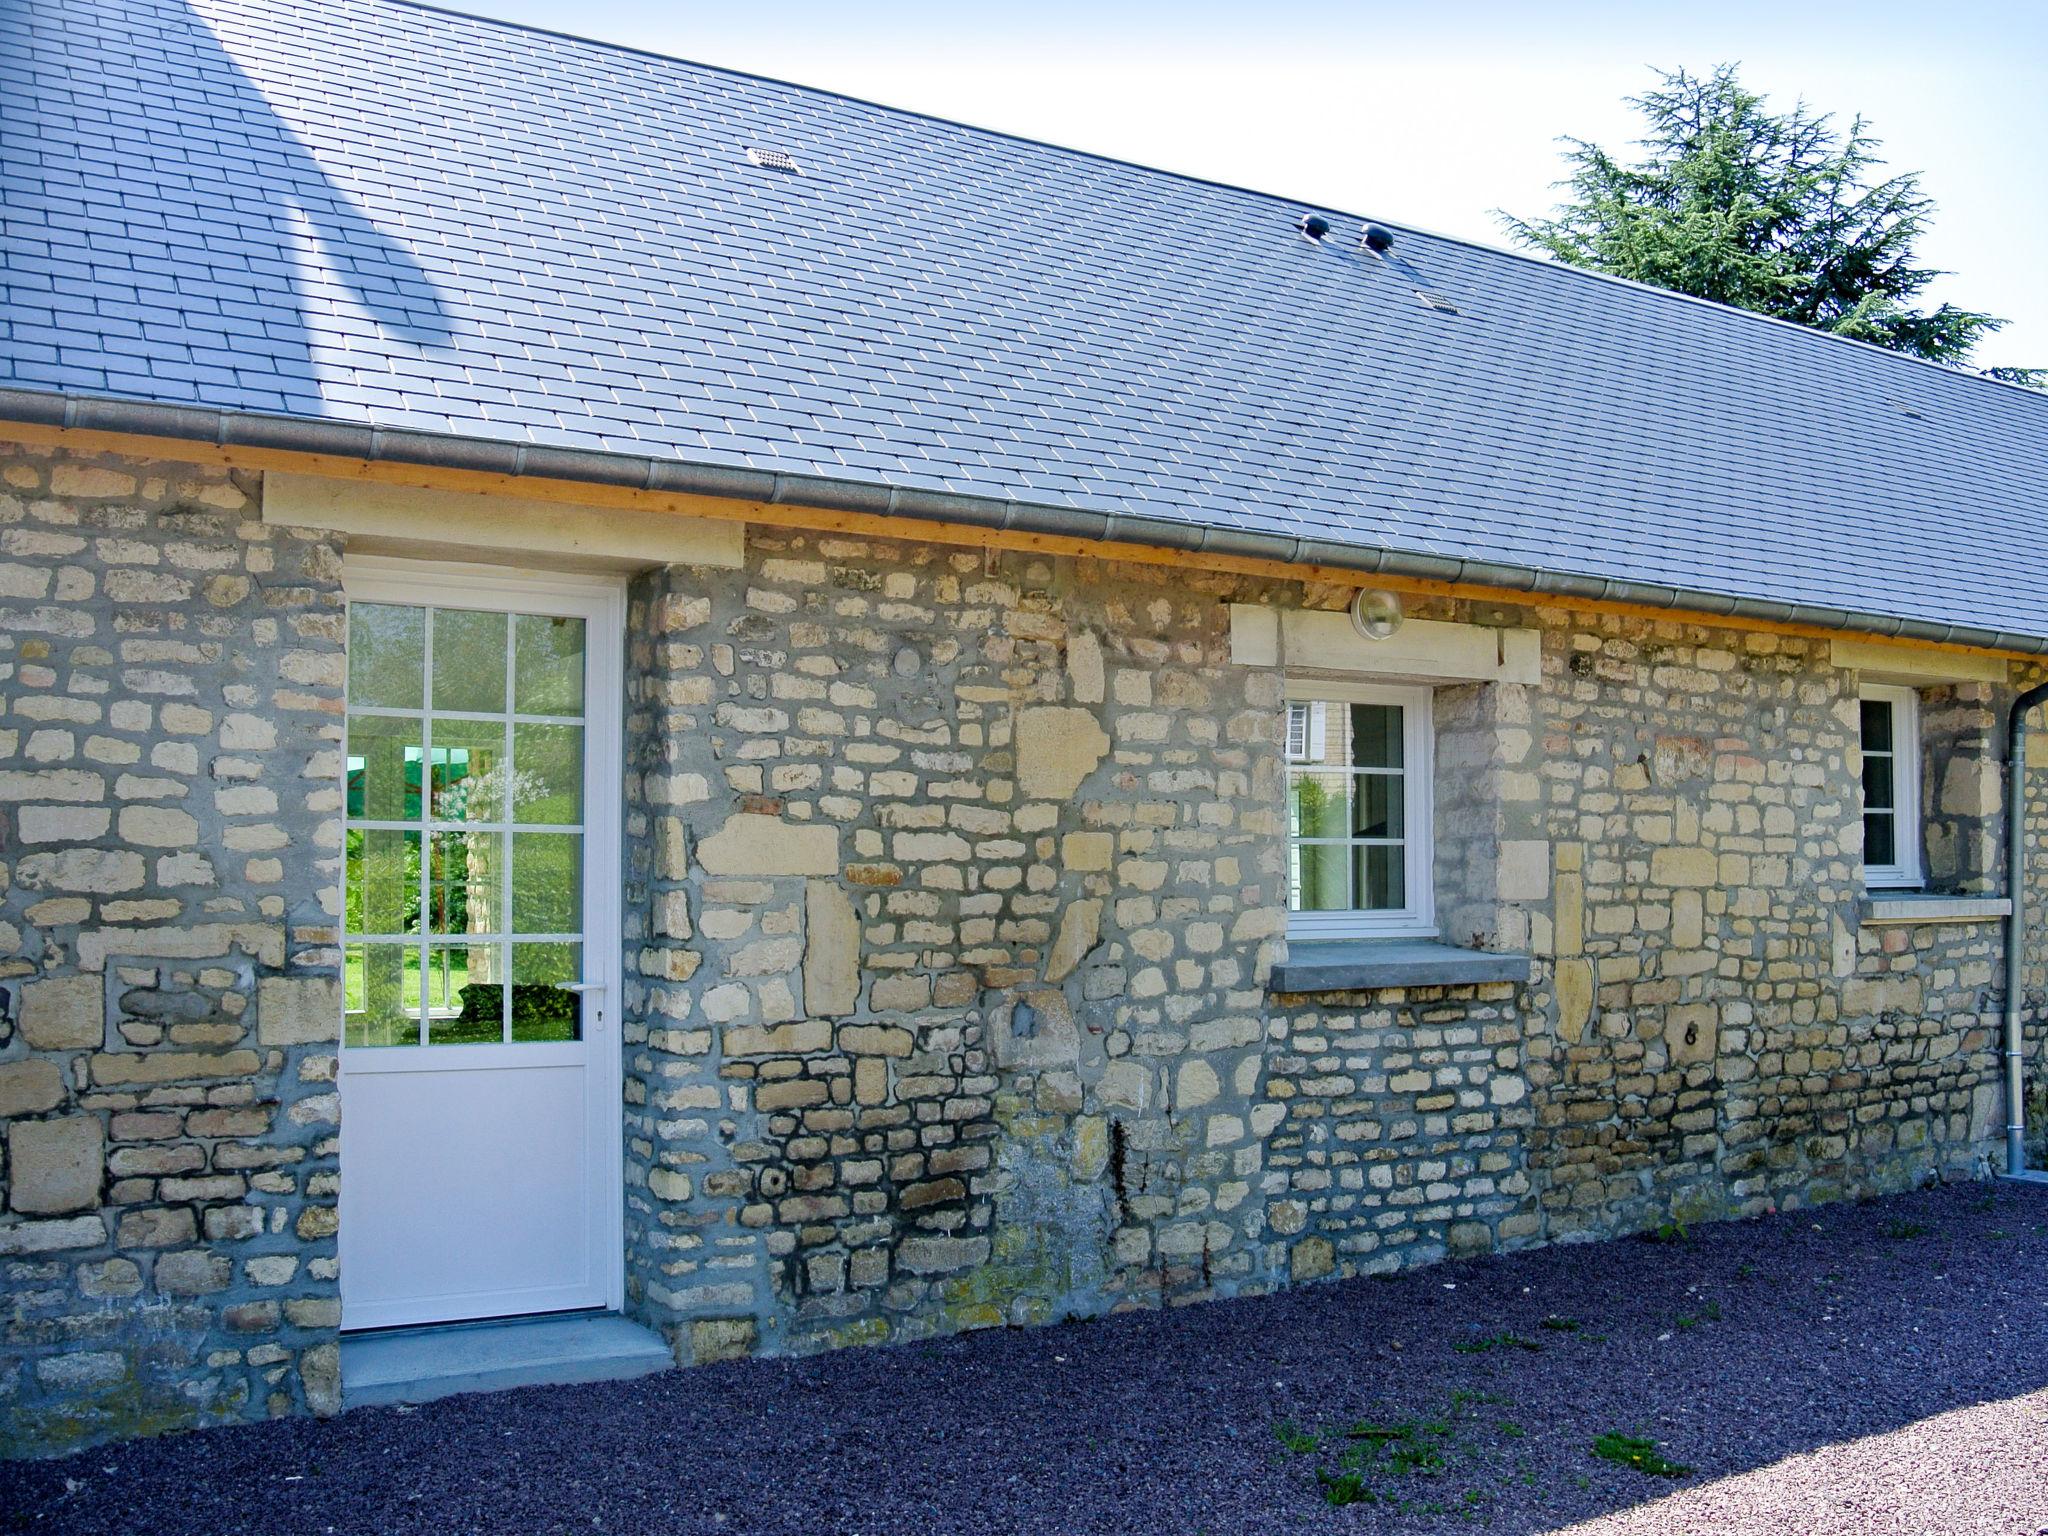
601,601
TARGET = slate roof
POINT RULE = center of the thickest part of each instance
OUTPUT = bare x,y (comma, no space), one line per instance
363,211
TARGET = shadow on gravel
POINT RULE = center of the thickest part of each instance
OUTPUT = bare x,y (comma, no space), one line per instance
1526,1394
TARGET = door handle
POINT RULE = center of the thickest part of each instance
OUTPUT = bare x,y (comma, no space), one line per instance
581,987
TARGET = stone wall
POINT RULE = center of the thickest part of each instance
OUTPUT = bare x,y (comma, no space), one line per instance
954,883
170,686
1037,1072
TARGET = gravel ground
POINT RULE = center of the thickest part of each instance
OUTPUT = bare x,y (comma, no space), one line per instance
1875,1368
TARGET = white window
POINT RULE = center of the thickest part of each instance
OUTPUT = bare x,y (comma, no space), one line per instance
1358,811
1891,786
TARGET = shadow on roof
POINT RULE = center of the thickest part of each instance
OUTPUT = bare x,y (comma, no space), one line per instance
139,155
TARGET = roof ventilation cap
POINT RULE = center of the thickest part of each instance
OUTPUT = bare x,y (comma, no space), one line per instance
1379,239
774,160
1314,225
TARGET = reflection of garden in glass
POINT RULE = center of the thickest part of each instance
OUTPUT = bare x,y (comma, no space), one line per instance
464,856
1346,812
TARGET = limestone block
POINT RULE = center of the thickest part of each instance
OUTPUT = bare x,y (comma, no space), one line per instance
56,1166
1691,1033
298,1010
1084,666
901,994
796,1039
1057,747
1195,1085
156,826
750,844
831,951
1080,929
320,1376
1087,850
1684,866
1524,869
63,1013
941,1255
1311,1259
30,1087
193,1272
1036,1030
1574,998
720,1338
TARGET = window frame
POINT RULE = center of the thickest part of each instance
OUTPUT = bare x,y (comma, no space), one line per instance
1907,871
1418,749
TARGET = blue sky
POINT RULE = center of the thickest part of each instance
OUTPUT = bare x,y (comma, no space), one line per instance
1430,115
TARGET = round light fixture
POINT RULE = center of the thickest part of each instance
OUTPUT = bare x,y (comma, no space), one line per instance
1375,615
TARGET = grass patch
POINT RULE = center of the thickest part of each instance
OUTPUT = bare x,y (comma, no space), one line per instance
1494,1341
1342,1488
1899,1229
1302,1442
1710,1313
1638,1454
1561,1324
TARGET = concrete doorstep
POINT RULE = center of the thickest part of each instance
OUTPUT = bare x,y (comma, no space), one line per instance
417,1365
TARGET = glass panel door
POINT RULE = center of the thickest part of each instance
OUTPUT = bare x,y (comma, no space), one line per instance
463,910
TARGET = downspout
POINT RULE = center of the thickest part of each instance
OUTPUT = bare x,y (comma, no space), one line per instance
2015,926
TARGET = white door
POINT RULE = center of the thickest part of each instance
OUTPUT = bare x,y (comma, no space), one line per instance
480,1063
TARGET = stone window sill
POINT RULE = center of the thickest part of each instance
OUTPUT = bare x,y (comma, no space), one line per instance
1363,965
1931,907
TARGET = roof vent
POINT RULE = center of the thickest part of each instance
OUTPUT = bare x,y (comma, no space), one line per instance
1314,225
1379,239
1435,301
774,160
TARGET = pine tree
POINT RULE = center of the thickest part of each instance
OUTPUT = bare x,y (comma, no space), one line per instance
1777,212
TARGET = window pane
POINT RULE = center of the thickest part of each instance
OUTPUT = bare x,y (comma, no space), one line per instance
380,987
469,660
387,655
464,884
1321,804
1877,725
541,1010
1382,879
1324,877
1376,735
382,889
1878,791
384,760
465,994
469,777
547,778
1880,840
547,671
1380,804
547,882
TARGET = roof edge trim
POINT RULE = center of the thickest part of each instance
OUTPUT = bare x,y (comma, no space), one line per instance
228,429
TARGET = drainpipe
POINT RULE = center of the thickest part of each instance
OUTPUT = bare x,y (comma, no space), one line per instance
2015,925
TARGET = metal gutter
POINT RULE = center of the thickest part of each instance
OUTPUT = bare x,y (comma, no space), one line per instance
2015,929
436,450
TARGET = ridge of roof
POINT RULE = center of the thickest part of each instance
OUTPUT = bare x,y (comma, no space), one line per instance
1543,263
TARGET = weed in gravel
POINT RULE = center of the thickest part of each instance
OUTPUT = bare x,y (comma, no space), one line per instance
1672,1231
1342,1488
1379,1434
1511,1429
1710,1313
1417,1457
1997,1233
1901,1229
1636,1452
1558,1324
1302,1442
1494,1341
